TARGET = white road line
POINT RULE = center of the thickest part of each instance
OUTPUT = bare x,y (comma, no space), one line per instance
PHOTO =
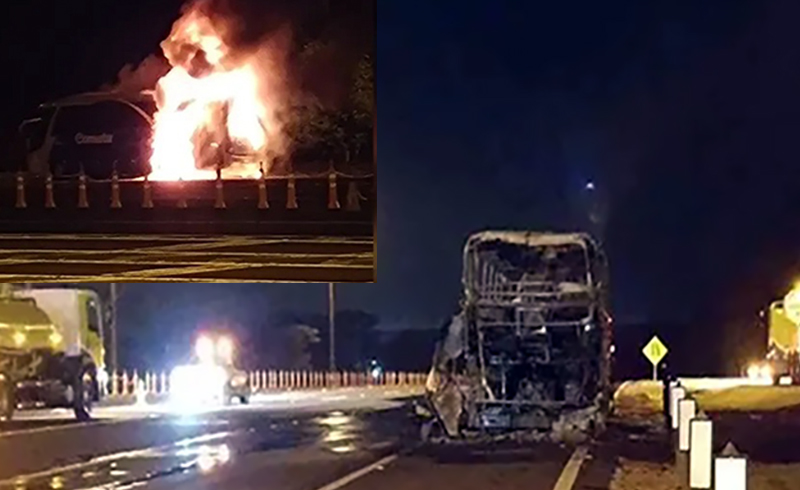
570,472
105,458
349,478
21,479
53,428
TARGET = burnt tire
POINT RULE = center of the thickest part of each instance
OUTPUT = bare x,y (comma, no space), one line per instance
84,387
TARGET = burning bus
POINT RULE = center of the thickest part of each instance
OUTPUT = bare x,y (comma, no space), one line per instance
96,133
215,137
214,108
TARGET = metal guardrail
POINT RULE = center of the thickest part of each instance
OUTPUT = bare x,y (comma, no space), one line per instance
126,383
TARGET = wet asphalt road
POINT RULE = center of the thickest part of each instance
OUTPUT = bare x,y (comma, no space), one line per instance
312,448
350,439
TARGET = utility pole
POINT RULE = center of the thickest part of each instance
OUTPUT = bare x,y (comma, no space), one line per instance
331,328
112,327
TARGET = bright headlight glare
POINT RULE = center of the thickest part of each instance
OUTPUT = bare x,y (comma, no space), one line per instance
56,338
205,349
197,383
239,380
225,349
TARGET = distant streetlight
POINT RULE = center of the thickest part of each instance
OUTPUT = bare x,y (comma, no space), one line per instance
590,186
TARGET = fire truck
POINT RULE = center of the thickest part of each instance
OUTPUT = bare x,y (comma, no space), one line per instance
51,350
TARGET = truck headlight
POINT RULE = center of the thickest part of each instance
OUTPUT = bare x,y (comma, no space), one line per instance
239,380
204,349
225,349
56,339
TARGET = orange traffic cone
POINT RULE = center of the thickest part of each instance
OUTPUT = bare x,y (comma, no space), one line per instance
263,202
147,194
83,200
219,203
21,203
333,192
49,201
116,203
291,194
181,197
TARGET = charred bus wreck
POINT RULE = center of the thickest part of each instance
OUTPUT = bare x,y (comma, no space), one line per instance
530,350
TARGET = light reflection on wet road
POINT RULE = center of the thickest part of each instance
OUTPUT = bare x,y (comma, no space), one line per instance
355,441
247,434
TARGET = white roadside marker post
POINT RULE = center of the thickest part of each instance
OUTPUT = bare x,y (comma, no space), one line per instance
701,460
687,409
730,470
677,393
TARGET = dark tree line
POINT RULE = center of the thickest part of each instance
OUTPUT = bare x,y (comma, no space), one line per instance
334,63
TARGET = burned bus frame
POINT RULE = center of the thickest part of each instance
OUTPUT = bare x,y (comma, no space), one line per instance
526,354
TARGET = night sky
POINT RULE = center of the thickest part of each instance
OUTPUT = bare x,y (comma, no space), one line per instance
683,114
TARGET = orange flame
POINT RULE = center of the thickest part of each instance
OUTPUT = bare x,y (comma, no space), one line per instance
212,112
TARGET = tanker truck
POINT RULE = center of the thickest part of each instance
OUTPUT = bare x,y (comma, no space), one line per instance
51,350
530,351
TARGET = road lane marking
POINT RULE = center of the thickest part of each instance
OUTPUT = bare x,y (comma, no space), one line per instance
570,472
105,458
349,478
52,428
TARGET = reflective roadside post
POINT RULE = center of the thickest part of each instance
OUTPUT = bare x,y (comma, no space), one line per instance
677,393
701,459
687,409
730,469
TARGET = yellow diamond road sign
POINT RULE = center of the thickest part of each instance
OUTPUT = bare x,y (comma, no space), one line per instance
655,350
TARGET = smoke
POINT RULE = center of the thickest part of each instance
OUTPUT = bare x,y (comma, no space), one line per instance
315,45
134,78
